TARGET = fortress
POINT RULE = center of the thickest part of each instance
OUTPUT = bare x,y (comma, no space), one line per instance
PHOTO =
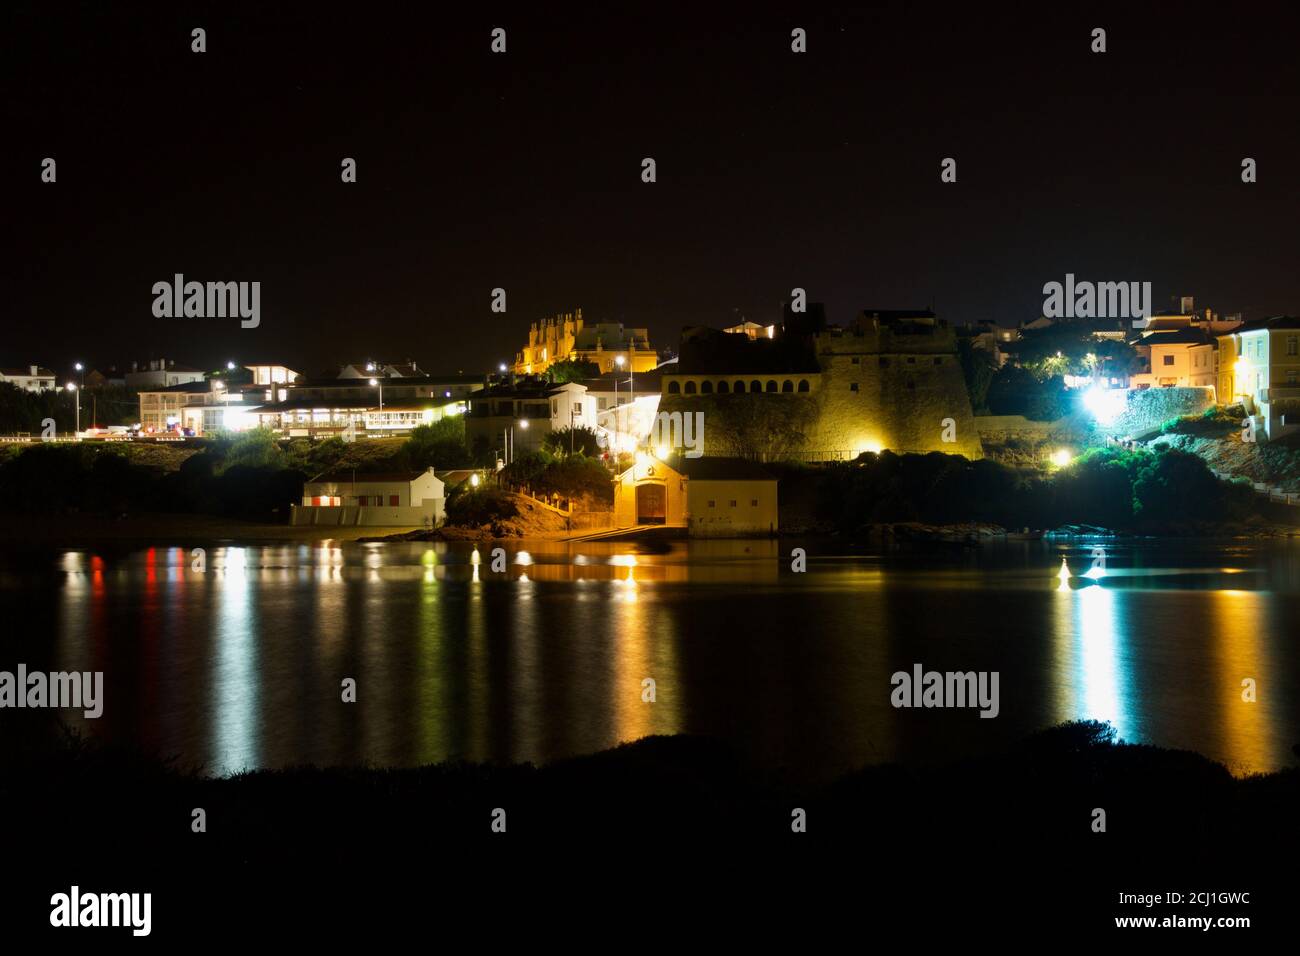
564,338
889,380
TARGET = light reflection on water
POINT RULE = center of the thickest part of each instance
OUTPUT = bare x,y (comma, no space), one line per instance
241,665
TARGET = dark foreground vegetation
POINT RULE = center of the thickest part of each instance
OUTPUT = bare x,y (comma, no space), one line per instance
664,826
1041,793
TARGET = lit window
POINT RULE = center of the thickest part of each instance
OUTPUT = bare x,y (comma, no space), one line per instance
733,504
753,502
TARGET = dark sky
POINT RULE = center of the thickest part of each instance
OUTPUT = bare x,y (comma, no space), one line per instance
523,171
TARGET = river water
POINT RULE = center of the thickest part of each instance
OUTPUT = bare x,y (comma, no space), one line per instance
241,664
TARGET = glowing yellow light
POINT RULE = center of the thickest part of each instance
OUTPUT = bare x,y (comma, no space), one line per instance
473,483
1063,576
874,447
1061,457
661,452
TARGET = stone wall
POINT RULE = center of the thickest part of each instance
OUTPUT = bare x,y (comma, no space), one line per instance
1149,408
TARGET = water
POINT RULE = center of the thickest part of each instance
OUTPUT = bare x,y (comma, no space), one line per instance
240,666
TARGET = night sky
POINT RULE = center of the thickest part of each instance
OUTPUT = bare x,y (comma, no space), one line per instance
522,170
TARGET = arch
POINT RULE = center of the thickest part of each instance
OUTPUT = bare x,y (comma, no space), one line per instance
690,388
706,387
723,387
740,387
787,386
771,385
674,388
803,384
755,386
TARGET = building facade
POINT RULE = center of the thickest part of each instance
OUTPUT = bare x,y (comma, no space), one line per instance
1259,366
567,337
394,499
889,380
708,497
161,373
30,378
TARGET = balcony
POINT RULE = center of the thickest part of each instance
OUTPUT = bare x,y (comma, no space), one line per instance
1278,393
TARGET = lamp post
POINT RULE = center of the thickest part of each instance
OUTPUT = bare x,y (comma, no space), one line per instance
72,387
81,374
618,360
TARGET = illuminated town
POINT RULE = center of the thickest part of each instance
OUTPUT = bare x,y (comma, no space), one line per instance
546,473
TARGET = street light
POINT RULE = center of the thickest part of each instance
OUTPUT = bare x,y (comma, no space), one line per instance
72,387
380,384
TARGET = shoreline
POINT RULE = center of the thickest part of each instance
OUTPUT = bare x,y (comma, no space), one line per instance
78,530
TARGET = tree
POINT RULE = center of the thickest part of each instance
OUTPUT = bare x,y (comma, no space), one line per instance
978,368
571,370
584,440
440,444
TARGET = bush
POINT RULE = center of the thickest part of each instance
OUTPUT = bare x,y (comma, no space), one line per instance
257,448
585,442
472,507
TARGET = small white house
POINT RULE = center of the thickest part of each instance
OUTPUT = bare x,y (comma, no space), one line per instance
405,499
33,378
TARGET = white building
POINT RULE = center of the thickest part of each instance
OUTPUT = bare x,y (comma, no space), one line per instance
32,378
387,499
161,373
202,407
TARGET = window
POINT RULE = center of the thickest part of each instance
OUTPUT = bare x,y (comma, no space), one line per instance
555,407
803,384
740,388
712,503
771,385
1290,345
1169,359
392,501
753,502
884,362
690,388
733,503
787,386
673,389
706,387
856,360
577,408
911,360
938,361
723,388
756,386
853,386
1290,376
